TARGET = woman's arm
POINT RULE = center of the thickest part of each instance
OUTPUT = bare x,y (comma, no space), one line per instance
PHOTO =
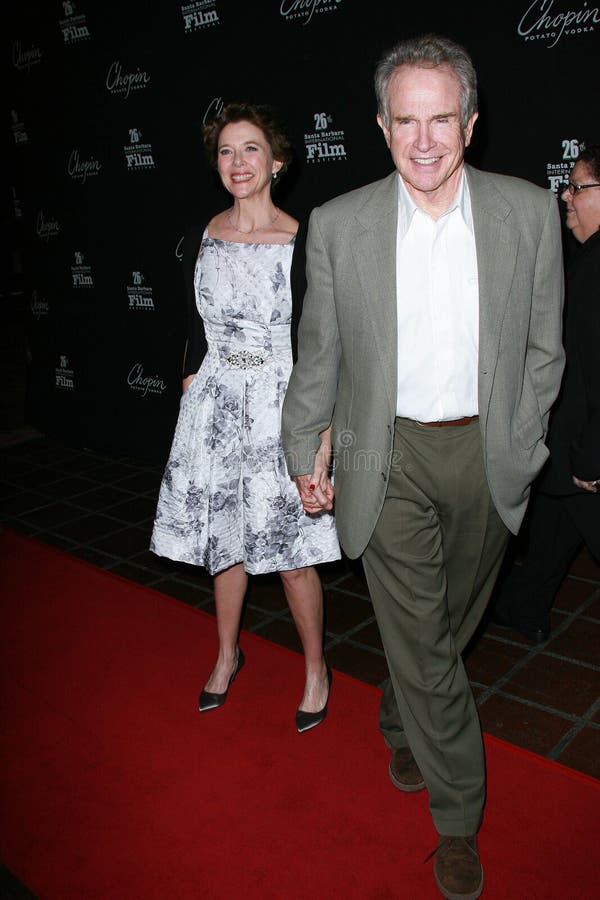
196,345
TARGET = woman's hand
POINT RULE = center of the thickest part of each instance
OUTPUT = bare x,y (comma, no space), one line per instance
591,486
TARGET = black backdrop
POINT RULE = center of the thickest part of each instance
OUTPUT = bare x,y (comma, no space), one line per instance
104,110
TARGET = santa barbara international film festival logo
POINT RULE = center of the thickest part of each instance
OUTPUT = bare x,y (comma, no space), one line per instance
122,83
80,273
138,154
74,26
558,172
139,293
23,58
324,144
144,384
64,376
543,21
199,14
306,9
18,128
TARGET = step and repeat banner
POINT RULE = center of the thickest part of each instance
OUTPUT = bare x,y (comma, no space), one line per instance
104,109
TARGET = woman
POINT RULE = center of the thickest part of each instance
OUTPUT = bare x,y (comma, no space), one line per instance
565,512
226,501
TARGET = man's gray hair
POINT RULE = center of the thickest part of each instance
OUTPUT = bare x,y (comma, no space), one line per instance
428,52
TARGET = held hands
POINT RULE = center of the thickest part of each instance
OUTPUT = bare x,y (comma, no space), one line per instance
316,494
592,486
316,490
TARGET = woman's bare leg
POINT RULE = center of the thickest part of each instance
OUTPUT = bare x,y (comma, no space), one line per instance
305,598
229,588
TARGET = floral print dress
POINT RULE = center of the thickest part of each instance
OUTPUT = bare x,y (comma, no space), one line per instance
226,496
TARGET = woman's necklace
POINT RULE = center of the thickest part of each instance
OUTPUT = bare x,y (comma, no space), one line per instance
252,230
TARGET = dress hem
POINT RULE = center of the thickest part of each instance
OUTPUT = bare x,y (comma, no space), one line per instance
251,570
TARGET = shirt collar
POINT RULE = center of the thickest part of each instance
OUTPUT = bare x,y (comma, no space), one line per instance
407,206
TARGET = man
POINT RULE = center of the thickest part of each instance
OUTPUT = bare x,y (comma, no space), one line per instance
431,337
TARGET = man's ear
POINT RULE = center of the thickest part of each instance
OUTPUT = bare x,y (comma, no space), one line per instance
384,128
469,129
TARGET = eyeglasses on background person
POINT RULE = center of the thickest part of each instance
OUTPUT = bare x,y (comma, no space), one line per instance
573,188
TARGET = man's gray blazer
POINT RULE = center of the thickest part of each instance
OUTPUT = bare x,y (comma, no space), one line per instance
346,368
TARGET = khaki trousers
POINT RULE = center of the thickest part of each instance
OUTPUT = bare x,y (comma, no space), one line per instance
431,565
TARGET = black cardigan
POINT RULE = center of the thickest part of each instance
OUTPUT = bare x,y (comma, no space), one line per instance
574,433
196,346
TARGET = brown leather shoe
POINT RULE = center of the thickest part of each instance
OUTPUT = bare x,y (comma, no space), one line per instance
458,872
404,772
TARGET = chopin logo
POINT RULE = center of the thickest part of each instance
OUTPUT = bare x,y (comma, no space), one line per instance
305,9
22,59
82,169
199,14
39,306
46,228
324,144
122,83
558,172
145,384
139,293
18,128
64,376
138,155
80,273
73,27
213,110
542,22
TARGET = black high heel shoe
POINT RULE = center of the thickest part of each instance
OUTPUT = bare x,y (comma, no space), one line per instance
210,700
307,720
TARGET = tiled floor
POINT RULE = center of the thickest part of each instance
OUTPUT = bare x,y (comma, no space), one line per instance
543,698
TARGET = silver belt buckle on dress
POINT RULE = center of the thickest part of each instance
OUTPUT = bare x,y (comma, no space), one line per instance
245,359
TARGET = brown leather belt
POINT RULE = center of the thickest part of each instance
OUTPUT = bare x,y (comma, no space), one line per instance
464,421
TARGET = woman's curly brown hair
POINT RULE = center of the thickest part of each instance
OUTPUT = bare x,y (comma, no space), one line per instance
260,115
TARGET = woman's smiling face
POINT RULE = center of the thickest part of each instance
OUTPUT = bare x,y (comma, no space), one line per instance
244,159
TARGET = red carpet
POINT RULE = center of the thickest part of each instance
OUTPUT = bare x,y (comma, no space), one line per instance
115,787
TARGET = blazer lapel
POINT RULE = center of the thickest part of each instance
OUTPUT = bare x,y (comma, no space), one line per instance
374,252
497,245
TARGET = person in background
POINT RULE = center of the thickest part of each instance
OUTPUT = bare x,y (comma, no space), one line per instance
565,510
431,333
226,501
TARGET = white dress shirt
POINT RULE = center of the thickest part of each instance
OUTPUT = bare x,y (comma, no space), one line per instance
437,293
